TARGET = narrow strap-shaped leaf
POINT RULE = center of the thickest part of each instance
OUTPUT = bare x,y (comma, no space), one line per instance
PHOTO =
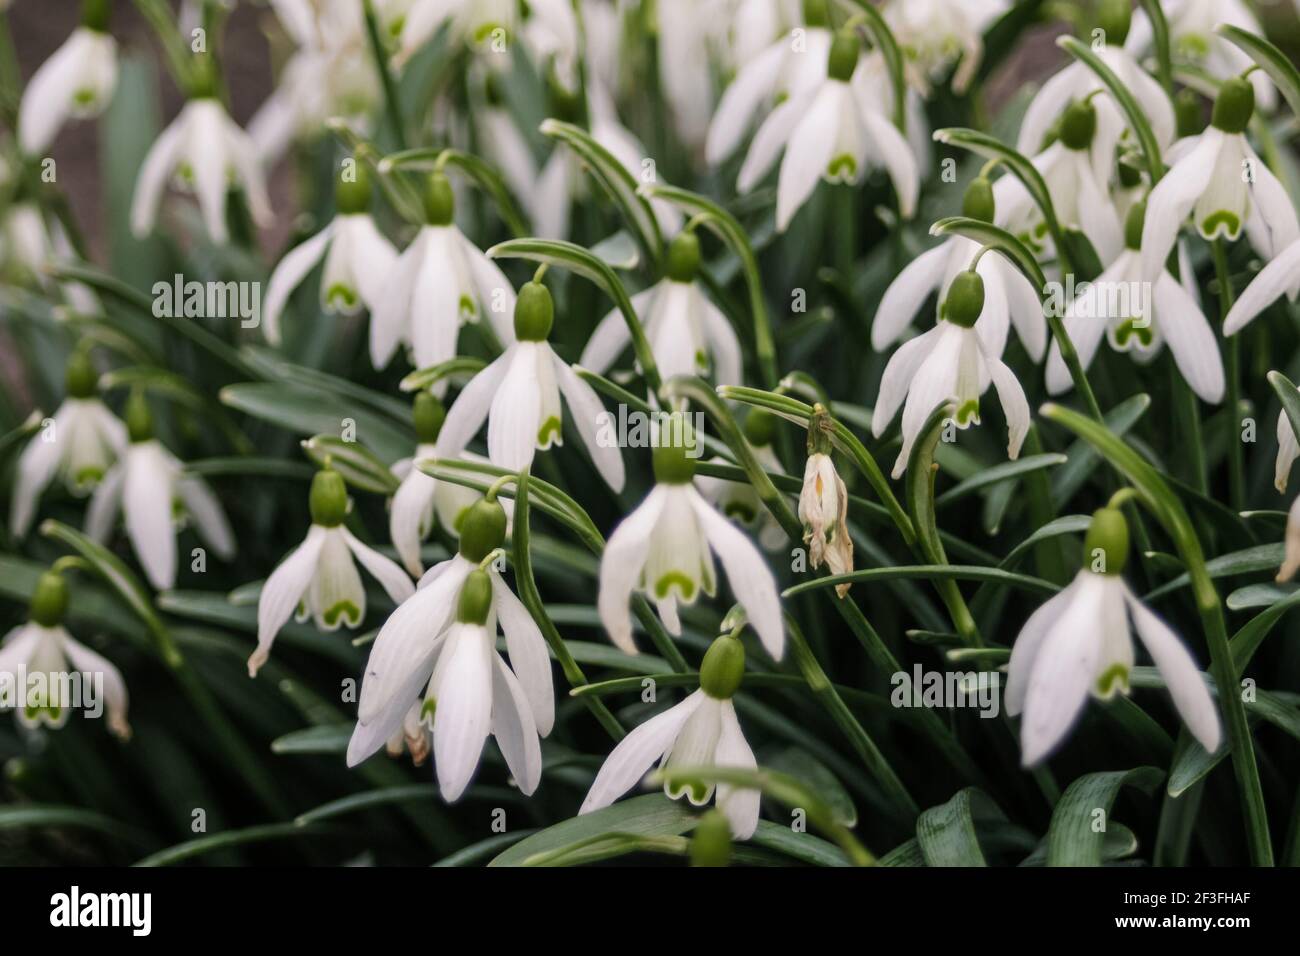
652,814
1073,838
946,833
1270,59
358,465
1002,472
218,841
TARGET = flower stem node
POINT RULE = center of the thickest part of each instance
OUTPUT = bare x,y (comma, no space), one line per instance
1078,125
723,668
1133,223
843,59
675,451
1115,17
328,499
439,203
760,428
81,378
475,601
683,257
965,299
94,15
49,600
1234,105
534,313
139,420
977,202
1105,547
353,196
711,841
428,414
483,530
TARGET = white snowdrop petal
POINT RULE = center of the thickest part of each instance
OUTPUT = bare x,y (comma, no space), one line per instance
636,753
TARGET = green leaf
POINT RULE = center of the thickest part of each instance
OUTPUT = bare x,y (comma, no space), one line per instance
367,799
459,370
803,847
650,815
483,175
1262,557
1270,59
616,182
1072,838
801,765
358,465
35,815
946,833
217,841
995,237
325,739
928,572
1083,459
1002,472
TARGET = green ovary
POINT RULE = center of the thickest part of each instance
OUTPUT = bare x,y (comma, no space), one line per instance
549,431
684,585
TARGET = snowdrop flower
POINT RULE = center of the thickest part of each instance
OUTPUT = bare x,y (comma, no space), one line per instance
76,81
440,282
949,362
1193,38
551,35
26,245
1291,556
35,656
1281,275
824,504
478,23
79,443
789,67
519,395
1077,81
444,637
665,549
319,578
1010,298
1080,643
737,499
831,131
1138,317
1076,171
688,334
1223,185
331,73
203,151
149,486
701,731
936,33
1288,450
358,260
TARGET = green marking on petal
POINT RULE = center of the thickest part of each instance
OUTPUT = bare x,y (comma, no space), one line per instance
468,309
1113,679
842,167
87,476
550,427
740,511
340,293
969,412
1194,46
85,97
685,586
1134,328
344,609
428,708
699,792
1221,222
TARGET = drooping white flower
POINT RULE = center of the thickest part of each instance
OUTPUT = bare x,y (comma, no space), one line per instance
439,283
1077,81
1218,179
443,639
1140,317
319,578
831,131
331,73
1193,38
1288,450
489,24
358,261
551,35
1291,557
77,81
36,656
150,488
949,362
688,334
936,33
665,550
789,67
1080,643
1009,297
203,151
519,394
1076,169
1280,275
700,732
824,505
79,443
